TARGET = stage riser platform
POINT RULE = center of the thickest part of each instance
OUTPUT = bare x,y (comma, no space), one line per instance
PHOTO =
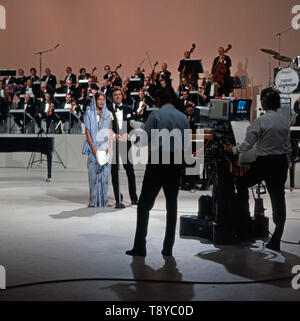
69,149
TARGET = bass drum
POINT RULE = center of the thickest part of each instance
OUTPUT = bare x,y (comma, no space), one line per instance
287,81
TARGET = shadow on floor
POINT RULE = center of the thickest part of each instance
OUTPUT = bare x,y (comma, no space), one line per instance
144,291
82,212
254,264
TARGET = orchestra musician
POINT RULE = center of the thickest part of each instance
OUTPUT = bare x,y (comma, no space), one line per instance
69,88
211,89
29,106
43,91
4,102
105,88
21,80
33,76
45,112
182,64
184,85
50,80
138,74
164,74
69,76
29,89
83,75
225,88
150,89
140,107
108,72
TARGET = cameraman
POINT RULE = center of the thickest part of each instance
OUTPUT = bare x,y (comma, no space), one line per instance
271,134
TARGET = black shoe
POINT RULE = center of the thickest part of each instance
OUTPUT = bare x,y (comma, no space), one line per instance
134,252
135,203
273,246
120,206
167,252
41,131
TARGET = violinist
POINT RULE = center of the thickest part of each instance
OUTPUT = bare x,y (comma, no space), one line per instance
45,112
164,74
140,107
150,89
225,87
108,72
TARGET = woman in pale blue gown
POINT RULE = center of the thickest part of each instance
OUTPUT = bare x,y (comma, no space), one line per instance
98,132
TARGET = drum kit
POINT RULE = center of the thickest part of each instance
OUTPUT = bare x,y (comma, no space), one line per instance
287,79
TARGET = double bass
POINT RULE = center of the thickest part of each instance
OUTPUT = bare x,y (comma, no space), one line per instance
220,68
182,74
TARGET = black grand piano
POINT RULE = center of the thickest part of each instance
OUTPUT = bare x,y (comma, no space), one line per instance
43,145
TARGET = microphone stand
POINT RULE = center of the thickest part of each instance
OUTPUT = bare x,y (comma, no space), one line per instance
41,56
279,40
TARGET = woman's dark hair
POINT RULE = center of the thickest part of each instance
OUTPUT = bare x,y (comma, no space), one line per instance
97,95
33,69
82,70
270,99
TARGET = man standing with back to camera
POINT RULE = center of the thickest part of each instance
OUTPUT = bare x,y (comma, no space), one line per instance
161,174
271,133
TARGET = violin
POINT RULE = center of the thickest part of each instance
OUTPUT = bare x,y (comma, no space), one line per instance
220,69
51,109
153,74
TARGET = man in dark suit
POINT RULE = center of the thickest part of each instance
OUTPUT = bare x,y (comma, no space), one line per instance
69,89
225,88
164,74
42,92
45,111
182,64
69,76
30,89
122,114
211,90
150,89
83,75
140,107
21,80
29,106
50,80
33,75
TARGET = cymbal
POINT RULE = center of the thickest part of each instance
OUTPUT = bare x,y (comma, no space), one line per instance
270,52
283,58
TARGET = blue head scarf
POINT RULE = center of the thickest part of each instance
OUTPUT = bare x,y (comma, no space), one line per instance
100,131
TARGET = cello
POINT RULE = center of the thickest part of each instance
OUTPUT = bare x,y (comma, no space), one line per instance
220,68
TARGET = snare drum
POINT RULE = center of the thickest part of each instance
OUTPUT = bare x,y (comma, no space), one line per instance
287,81
296,62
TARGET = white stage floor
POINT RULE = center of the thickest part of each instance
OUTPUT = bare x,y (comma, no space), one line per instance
47,233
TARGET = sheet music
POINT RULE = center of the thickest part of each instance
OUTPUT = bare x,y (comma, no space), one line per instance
239,130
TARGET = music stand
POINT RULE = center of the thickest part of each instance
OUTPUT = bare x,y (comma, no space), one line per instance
194,67
40,161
